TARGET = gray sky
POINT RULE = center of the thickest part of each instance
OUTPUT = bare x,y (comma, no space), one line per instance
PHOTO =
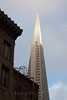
53,20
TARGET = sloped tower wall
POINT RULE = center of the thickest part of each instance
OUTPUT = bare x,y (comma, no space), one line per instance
37,67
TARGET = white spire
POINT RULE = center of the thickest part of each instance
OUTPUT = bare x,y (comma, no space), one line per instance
37,31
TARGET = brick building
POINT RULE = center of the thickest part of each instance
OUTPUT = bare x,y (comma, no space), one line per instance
13,85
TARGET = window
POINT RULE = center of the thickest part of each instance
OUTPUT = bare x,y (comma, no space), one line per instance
19,93
7,50
5,76
28,96
31,97
25,96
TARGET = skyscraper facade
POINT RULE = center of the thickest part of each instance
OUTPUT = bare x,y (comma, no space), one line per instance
37,68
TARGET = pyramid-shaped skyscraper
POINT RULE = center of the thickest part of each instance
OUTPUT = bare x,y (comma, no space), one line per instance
37,68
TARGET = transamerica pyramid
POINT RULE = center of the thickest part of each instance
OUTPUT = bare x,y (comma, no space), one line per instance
36,67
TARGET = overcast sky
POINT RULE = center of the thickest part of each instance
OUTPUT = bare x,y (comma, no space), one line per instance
53,20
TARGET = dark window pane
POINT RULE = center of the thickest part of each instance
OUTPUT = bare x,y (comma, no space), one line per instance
5,76
7,50
25,96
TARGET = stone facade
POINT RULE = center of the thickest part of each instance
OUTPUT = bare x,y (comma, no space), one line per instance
13,85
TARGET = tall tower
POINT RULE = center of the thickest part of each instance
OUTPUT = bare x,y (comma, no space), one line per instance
37,64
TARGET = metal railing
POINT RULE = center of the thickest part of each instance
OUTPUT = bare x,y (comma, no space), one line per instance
22,70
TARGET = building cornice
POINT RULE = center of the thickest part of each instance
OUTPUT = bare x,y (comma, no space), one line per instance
8,23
